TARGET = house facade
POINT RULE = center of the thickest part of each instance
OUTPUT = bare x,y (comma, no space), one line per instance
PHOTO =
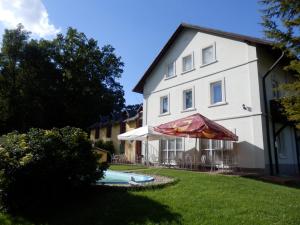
220,75
108,129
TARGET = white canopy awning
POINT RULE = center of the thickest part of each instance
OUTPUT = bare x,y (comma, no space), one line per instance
142,134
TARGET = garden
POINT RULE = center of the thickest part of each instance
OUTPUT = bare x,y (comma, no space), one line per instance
197,198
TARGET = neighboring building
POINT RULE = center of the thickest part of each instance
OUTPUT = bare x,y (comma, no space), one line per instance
220,75
133,149
109,128
103,154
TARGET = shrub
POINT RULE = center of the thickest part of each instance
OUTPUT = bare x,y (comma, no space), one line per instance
42,165
108,146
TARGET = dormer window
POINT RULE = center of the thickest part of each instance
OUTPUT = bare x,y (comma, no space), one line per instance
170,70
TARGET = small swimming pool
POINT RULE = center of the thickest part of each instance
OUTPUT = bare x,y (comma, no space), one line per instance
117,177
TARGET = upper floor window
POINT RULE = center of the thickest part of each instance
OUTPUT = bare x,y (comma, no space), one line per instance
188,99
164,104
108,131
208,55
122,127
97,132
187,63
217,92
170,70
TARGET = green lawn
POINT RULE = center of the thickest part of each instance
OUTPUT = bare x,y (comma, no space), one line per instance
196,199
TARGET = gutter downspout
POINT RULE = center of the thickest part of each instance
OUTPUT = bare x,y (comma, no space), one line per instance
267,110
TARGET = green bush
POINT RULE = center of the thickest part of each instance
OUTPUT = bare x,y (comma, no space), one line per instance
40,166
108,146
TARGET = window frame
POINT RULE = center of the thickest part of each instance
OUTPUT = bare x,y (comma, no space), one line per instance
97,133
275,90
161,113
184,109
167,150
281,145
223,91
193,63
167,70
213,45
108,131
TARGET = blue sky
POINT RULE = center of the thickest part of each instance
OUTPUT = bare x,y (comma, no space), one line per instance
138,29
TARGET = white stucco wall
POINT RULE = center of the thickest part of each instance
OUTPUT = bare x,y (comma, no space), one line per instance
237,66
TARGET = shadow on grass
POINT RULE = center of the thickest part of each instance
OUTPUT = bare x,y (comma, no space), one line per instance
292,183
105,206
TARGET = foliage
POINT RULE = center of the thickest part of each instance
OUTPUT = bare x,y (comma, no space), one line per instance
106,145
54,83
132,108
41,165
281,21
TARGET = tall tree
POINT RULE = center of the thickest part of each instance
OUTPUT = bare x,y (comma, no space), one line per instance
89,78
12,53
53,83
281,20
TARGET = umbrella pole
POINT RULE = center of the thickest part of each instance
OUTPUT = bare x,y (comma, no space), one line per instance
223,143
147,152
183,155
195,151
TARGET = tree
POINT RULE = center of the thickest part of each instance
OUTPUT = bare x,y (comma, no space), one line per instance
13,45
54,83
89,77
281,21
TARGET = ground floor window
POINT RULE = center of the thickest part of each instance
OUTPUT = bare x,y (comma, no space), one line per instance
216,144
122,147
171,150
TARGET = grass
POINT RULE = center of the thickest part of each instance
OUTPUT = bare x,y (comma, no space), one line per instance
197,198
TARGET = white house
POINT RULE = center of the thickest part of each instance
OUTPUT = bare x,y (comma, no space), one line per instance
220,75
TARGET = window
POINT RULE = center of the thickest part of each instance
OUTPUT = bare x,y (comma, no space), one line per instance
216,144
170,70
208,55
275,89
188,99
108,131
187,63
171,150
97,133
164,104
217,92
122,147
281,144
122,127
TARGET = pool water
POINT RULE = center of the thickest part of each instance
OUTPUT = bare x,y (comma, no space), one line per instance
117,177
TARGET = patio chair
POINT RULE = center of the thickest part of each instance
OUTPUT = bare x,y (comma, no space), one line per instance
188,162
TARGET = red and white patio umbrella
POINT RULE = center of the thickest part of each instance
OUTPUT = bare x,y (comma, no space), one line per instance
196,126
